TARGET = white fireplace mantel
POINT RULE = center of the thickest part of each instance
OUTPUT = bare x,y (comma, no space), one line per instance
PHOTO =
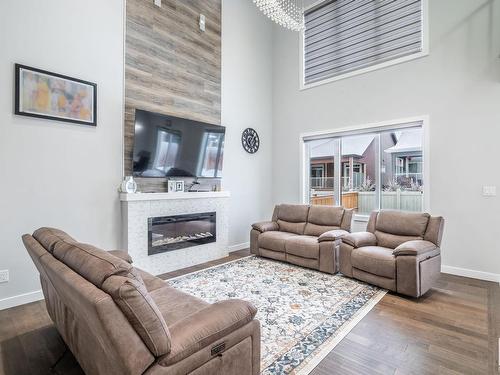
129,197
137,208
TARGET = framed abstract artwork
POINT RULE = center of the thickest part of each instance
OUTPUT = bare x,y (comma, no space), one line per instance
52,96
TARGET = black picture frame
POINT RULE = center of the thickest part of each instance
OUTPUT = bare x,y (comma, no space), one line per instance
17,101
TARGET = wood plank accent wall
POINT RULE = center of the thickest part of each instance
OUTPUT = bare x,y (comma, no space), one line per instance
171,66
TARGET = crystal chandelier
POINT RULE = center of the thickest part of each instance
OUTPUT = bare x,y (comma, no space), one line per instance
287,13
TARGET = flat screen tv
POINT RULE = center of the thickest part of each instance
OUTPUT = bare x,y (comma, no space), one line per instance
168,146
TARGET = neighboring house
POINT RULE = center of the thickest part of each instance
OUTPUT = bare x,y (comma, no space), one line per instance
401,161
406,159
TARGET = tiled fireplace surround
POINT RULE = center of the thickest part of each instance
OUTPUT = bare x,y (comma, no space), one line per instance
139,207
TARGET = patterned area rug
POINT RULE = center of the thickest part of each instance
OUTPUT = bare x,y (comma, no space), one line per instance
303,313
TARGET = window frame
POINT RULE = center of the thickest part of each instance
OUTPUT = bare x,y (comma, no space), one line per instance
382,65
363,129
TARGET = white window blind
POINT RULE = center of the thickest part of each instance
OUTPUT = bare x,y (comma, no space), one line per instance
343,36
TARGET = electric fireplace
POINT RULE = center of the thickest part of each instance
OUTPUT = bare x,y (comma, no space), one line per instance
176,232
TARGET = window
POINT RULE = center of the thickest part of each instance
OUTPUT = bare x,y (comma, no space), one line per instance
359,154
213,154
167,149
378,169
345,37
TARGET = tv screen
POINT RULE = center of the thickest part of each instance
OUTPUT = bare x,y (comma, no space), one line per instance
168,146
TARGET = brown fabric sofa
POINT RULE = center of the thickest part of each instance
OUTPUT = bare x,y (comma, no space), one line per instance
399,251
119,320
304,235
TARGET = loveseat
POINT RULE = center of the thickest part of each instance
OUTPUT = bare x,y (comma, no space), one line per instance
400,251
305,235
119,320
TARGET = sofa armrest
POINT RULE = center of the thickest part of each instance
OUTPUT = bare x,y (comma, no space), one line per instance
414,247
332,235
122,254
266,226
360,239
205,327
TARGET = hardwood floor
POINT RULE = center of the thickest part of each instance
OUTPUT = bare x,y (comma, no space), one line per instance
454,329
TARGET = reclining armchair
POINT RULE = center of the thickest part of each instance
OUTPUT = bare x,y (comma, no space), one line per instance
399,252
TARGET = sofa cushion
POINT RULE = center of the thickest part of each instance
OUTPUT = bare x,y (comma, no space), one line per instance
93,264
326,215
317,230
303,246
206,328
294,213
274,240
402,223
48,237
322,219
376,260
175,305
141,312
392,240
287,226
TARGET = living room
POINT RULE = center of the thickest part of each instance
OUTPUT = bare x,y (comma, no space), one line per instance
317,153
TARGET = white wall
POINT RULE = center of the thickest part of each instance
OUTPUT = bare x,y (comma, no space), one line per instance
54,173
63,175
457,85
246,102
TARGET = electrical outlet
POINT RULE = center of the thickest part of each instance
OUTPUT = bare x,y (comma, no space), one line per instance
489,191
4,276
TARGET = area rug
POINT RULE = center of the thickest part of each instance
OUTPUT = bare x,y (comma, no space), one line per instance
303,313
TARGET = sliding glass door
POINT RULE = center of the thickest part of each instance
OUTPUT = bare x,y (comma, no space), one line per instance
366,171
321,171
360,172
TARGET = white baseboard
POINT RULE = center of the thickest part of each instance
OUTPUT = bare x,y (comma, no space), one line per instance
240,246
487,276
21,299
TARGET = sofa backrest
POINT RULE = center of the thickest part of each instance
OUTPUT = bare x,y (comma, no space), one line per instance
91,321
93,264
291,217
392,227
434,232
49,237
325,218
312,220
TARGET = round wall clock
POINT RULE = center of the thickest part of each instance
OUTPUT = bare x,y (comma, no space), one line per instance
250,140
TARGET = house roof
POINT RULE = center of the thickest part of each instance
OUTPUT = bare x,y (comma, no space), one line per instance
355,145
408,141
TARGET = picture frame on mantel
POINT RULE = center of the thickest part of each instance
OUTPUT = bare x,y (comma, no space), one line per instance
43,94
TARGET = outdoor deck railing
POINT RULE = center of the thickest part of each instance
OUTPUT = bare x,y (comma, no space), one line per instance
327,182
365,201
321,182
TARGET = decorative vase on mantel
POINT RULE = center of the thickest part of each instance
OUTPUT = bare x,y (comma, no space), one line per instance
129,185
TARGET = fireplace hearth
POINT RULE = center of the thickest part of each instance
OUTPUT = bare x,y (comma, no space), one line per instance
168,233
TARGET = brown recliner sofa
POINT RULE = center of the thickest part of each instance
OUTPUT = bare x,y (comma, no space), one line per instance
400,251
119,320
305,235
